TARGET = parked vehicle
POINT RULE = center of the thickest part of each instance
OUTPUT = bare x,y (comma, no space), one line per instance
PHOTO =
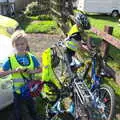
7,7
8,25
6,93
99,6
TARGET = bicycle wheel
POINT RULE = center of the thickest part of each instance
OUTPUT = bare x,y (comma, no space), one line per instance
107,100
51,92
60,69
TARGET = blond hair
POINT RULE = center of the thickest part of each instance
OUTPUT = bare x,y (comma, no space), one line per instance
19,35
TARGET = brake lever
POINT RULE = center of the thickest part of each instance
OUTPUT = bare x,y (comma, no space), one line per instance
108,57
83,42
111,58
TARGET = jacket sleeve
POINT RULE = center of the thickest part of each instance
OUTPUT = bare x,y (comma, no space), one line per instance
76,36
6,65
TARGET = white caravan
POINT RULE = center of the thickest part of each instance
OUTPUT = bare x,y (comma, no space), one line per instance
99,6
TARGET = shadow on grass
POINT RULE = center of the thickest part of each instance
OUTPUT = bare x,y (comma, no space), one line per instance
104,17
117,108
117,104
113,51
24,21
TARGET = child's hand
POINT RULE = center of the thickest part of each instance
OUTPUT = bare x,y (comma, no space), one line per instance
29,71
18,70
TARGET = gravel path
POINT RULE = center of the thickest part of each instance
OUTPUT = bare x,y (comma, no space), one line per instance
39,42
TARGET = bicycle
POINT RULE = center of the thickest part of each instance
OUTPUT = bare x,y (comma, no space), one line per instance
95,106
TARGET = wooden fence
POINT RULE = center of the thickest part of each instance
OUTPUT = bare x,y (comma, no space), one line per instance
44,6
63,10
7,8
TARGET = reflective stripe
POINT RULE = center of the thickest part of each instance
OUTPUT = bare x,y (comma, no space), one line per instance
47,73
73,45
18,80
17,86
18,83
46,66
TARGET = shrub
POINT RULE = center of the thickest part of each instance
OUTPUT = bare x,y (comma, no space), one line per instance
44,17
32,9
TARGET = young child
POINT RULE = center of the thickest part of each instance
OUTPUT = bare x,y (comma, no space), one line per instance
76,35
21,62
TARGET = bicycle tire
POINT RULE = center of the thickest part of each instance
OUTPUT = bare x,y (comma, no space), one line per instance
51,92
107,96
112,95
60,69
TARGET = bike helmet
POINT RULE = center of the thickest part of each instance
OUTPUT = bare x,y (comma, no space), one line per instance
31,89
81,19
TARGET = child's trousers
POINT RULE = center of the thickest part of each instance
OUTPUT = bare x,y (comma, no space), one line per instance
24,106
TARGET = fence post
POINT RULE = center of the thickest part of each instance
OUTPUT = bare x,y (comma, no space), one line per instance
104,44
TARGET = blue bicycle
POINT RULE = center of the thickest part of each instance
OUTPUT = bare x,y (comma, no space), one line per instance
95,102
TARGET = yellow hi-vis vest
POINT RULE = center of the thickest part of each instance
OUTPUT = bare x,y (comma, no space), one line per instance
47,70
47,73
73,30
17,78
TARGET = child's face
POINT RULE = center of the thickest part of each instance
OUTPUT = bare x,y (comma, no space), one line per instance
20,46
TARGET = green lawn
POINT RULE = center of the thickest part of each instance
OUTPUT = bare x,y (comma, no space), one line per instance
36,24
41,27
100,21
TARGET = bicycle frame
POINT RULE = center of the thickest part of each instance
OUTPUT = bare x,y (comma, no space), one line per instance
79,84
88,97
96,79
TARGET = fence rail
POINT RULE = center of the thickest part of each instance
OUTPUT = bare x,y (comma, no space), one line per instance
108,38
60,12
44,7
104,35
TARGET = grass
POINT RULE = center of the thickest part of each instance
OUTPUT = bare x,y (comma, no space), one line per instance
100,21
35,24
41,27
41,17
